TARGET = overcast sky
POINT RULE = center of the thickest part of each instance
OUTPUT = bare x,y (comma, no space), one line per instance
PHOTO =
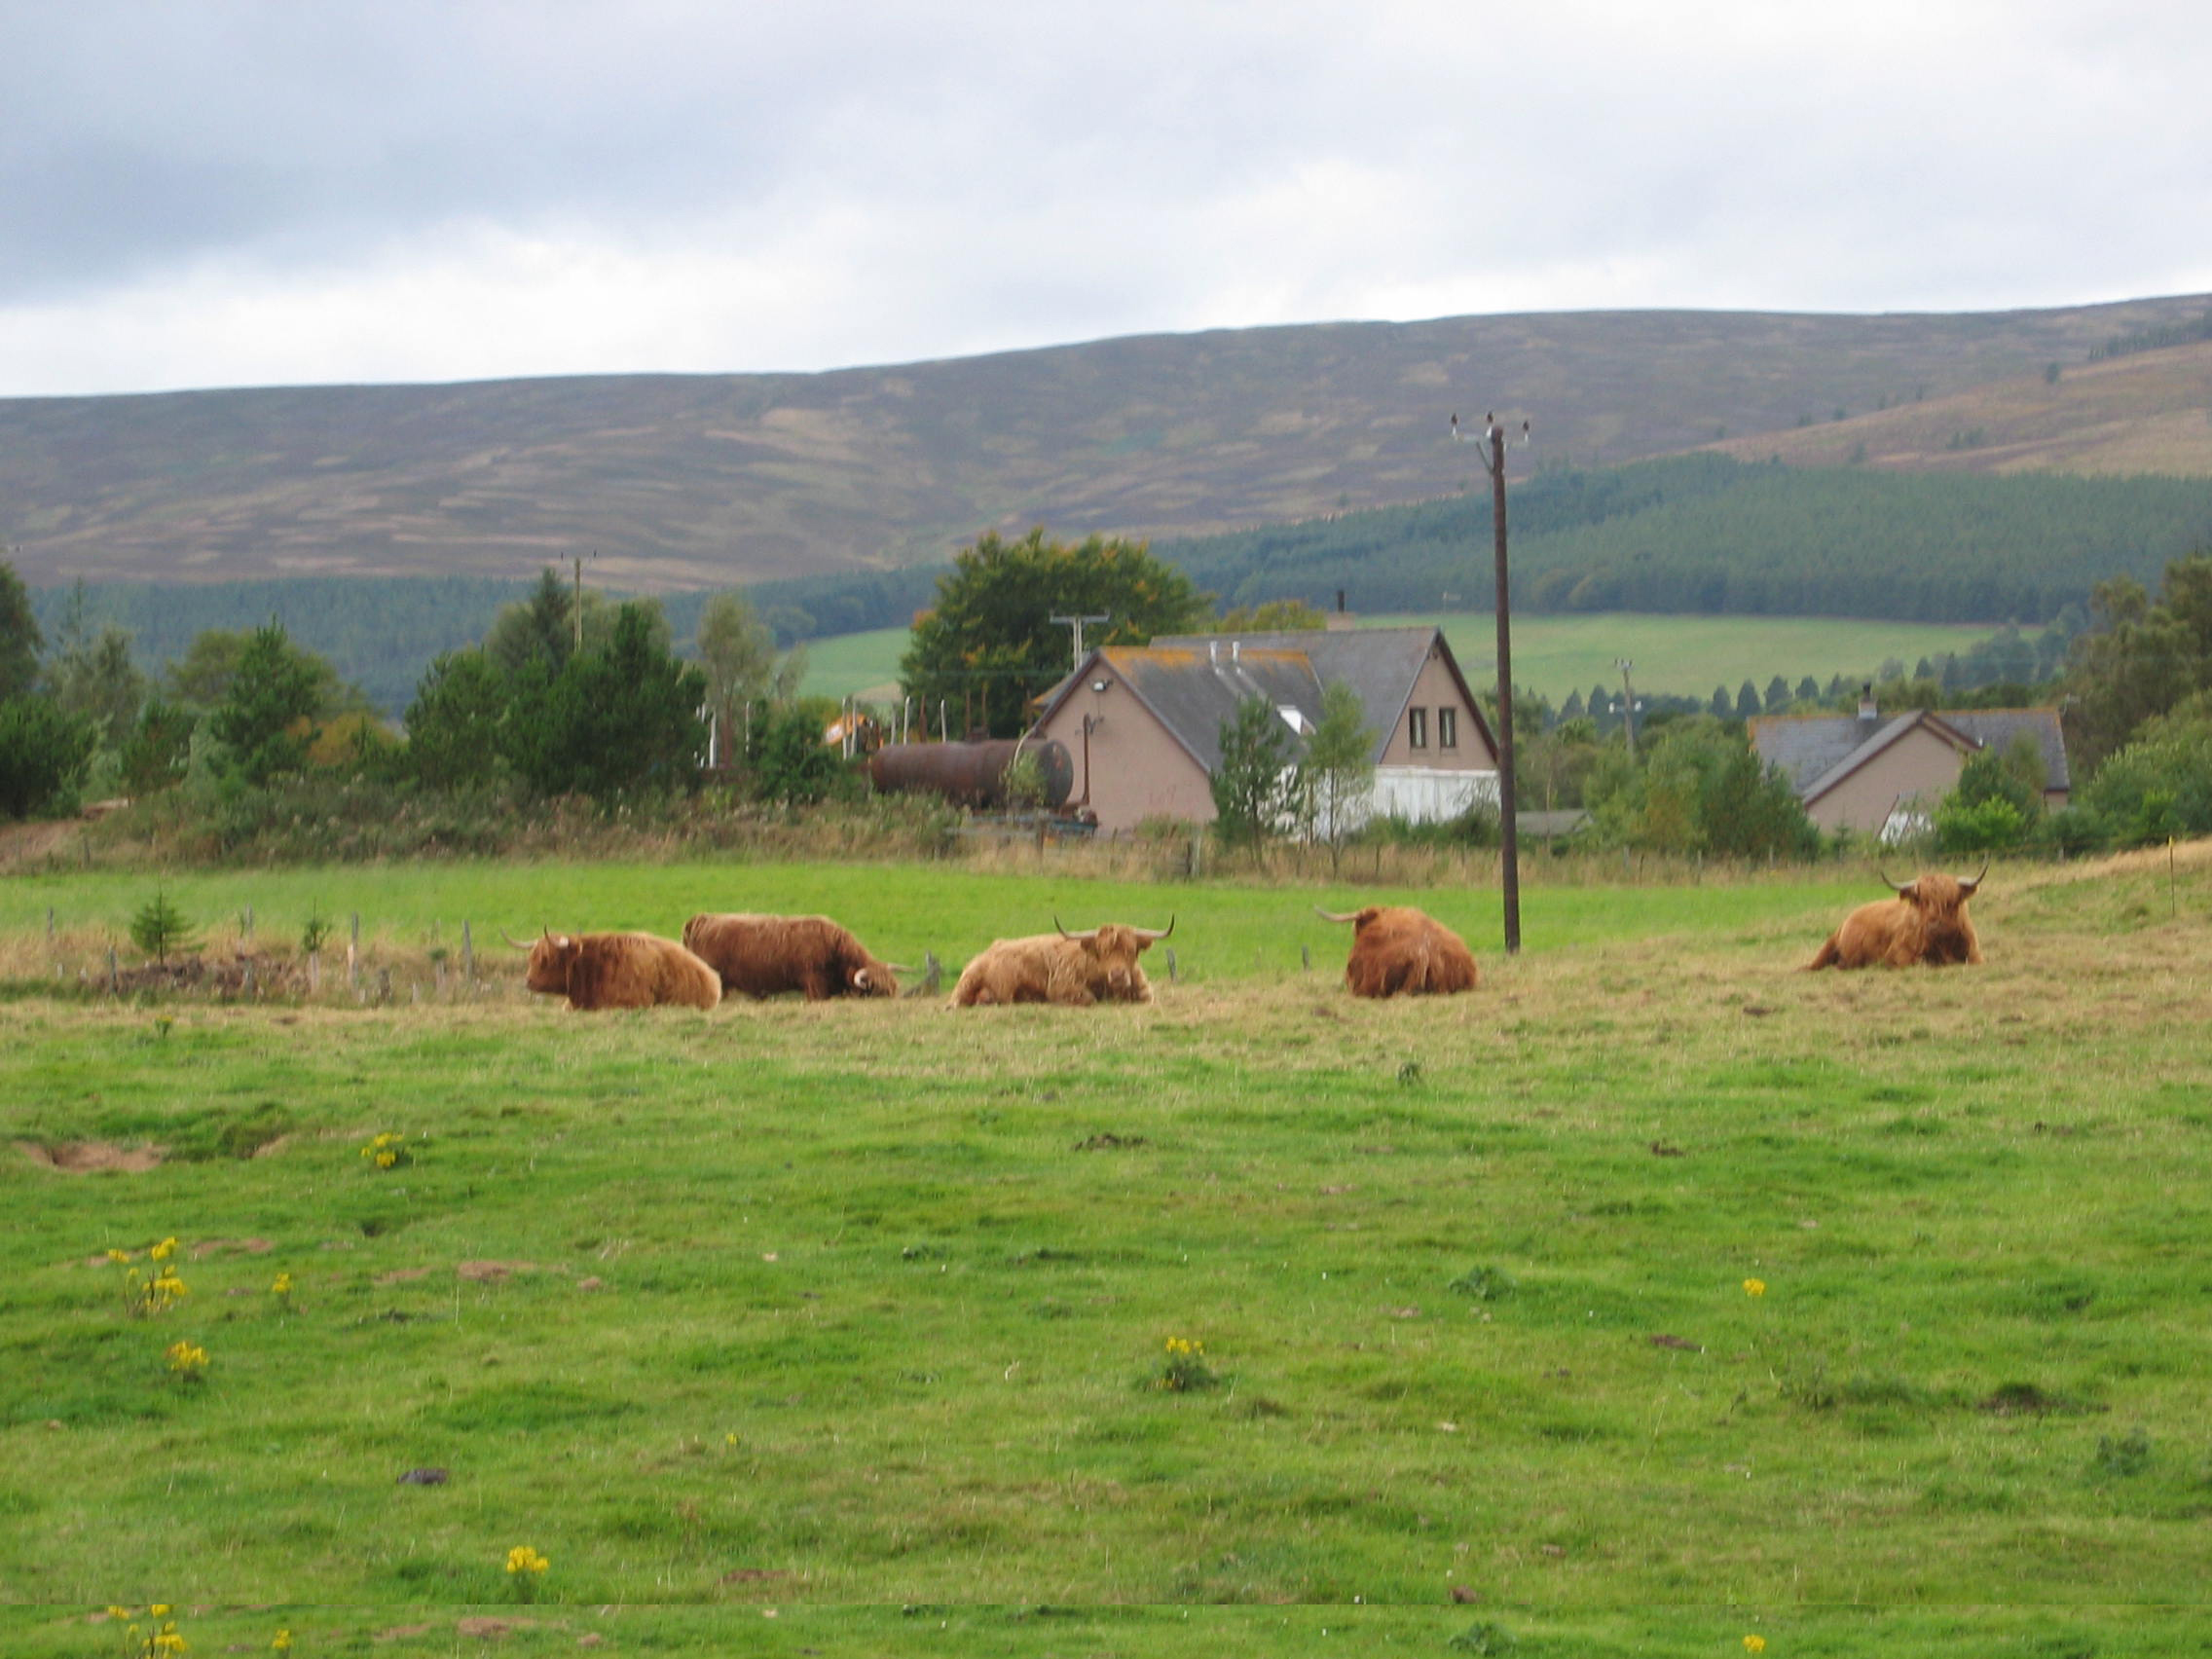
200,193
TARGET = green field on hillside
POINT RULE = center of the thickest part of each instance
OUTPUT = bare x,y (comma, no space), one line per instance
1652,1298
1681,656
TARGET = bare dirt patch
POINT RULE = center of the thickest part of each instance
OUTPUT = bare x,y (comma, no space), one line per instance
491,1273
92,1158
491,1630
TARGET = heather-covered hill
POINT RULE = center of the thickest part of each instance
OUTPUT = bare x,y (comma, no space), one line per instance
697,481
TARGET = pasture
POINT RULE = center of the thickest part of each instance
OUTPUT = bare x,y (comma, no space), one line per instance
1684,656
1652,1297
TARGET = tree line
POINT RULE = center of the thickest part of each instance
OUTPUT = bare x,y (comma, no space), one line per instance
1708,534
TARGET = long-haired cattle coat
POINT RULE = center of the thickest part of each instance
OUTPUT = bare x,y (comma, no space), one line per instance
1926,923
1075,970
620,970
1399,952
763,956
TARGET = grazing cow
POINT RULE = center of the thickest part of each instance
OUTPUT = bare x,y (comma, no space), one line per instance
1924,923
620,970
765,955
1400,951
1072,969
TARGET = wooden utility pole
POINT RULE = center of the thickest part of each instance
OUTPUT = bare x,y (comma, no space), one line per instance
1627,700
1508,829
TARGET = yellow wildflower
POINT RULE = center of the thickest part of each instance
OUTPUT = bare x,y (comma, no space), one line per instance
163,1251
283,1641
115,1255
1754,1644
1755,1287
523,1559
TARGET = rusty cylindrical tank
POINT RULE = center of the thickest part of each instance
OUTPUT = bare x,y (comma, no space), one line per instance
970,774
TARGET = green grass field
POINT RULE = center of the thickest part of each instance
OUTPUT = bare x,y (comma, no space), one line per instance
844,1329
1680,655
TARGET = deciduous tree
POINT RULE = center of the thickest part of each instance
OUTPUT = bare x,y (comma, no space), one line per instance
989,644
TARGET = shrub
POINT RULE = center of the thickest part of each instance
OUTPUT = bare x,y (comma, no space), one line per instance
2160,784
1991,824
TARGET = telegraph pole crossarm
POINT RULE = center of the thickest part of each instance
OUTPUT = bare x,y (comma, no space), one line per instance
1077,622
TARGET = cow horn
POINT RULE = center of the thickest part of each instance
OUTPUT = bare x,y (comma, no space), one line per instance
1332,916
1902,887
1966,888
1156,933
511,939
1064,934
900,968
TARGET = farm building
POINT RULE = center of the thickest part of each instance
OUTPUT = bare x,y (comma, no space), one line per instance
1144,722
1885,776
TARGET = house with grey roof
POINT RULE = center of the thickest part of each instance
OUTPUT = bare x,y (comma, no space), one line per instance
1883,775
1143,722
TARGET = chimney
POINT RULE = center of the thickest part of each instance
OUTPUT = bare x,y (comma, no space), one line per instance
1869,711
1338,619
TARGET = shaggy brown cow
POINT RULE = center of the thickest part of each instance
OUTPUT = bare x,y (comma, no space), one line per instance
620,970
765,955
1075,970
1924,923
1400,951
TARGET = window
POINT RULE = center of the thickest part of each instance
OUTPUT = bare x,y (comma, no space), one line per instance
1448,728
1416,728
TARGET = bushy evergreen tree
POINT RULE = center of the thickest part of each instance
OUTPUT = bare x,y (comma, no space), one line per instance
20,636
266,721
42,754
459,730
620,718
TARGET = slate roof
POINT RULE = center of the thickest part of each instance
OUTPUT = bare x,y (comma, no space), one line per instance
1379,664
1193,695
1819,752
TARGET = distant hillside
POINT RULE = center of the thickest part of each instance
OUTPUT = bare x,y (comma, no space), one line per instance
706,481
2150,411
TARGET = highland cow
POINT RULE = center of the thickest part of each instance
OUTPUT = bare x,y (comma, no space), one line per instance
1075,970
1926,923
1400,951
763,956
620,970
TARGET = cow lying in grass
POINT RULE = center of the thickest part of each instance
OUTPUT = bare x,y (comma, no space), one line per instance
1398,951
1075,970
763,956
620,970
1926,923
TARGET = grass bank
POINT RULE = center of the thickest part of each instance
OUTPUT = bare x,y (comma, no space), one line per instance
1652,1297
